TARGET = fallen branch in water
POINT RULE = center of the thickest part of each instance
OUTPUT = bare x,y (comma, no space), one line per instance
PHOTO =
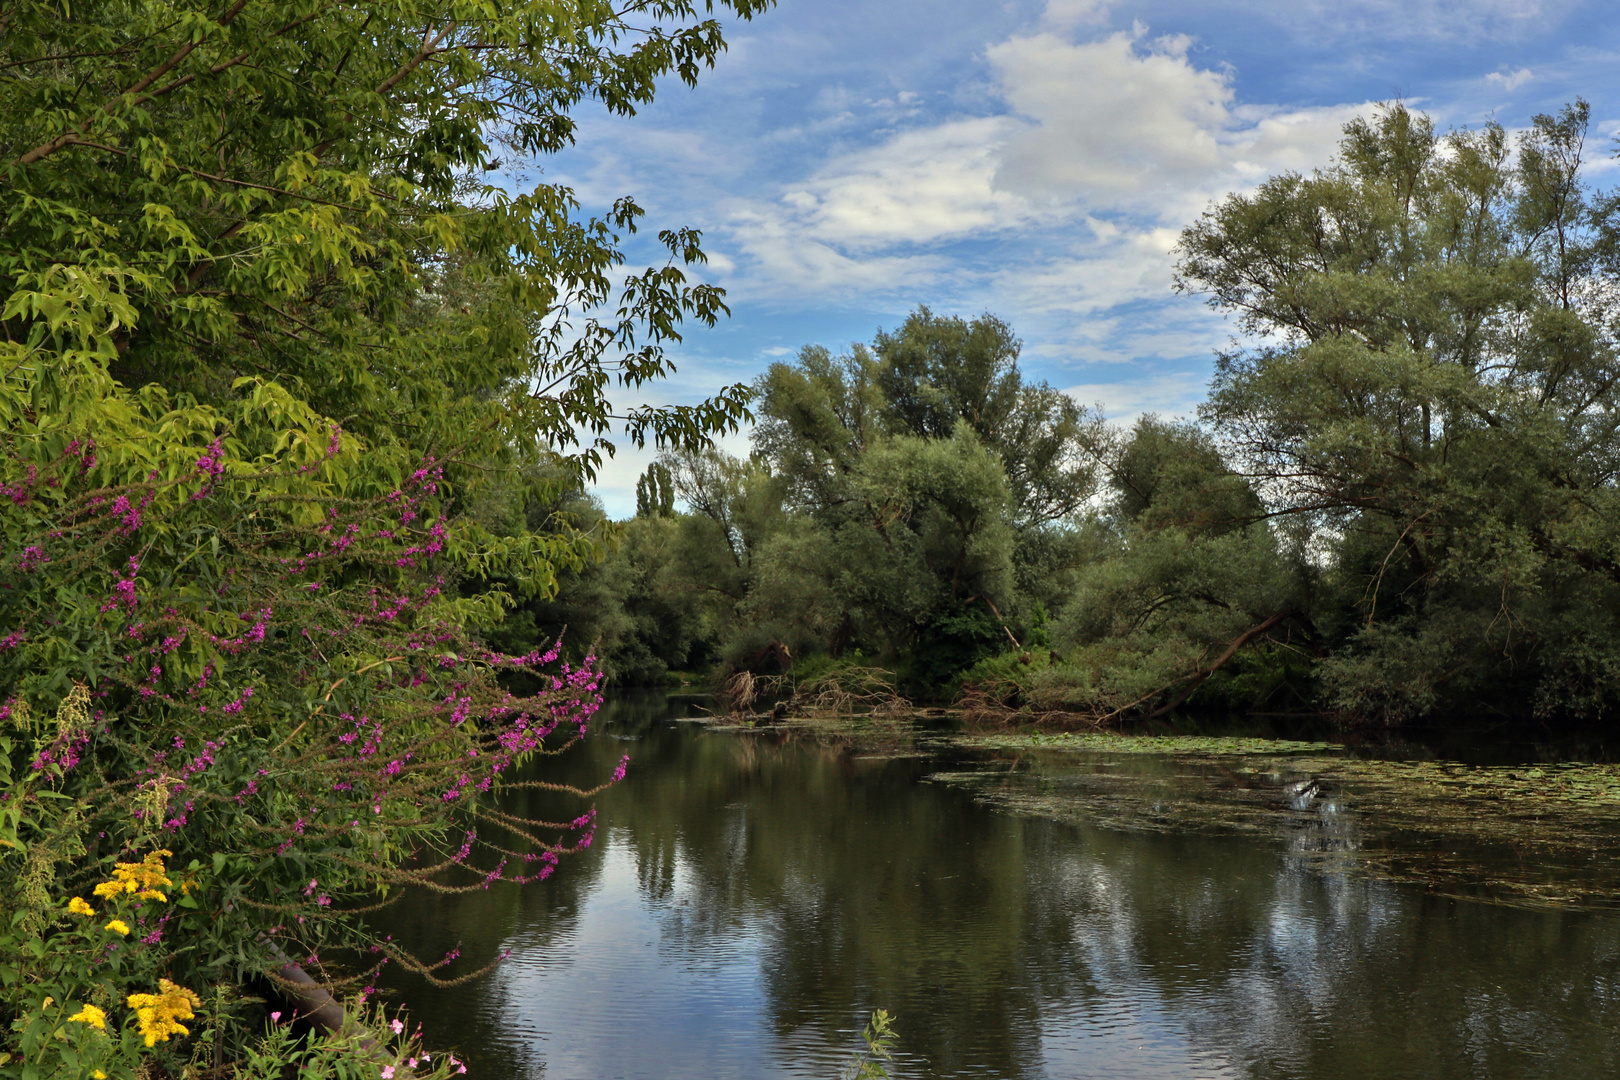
1200,677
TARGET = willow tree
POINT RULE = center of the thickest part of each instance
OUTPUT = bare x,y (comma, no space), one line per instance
1434,387
271,345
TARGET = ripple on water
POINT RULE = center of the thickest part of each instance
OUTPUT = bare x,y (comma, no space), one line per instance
753,896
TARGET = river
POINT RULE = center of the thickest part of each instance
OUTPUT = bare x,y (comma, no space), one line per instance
751,897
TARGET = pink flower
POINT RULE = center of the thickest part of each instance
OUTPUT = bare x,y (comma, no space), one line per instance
397,1024
275,1017
388,1072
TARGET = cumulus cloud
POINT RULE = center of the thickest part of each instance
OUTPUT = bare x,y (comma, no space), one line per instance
1107,114
1510,80
920,186
1109,144
1134,124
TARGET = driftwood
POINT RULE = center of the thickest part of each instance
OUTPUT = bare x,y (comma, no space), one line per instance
310,1000
980,708
1199,678
980,703
741,690
848,691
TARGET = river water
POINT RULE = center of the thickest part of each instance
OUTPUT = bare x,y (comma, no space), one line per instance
751,897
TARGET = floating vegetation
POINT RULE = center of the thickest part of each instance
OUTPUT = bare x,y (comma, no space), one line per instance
1528,834
1541,834
867,735
1106,742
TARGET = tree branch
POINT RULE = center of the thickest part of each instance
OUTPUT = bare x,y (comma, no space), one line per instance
67,138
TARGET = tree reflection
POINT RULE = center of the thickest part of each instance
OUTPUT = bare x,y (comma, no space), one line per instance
1014,946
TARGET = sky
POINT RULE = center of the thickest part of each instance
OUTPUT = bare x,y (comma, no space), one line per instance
848,161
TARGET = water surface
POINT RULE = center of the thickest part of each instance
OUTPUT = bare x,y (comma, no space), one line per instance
752,896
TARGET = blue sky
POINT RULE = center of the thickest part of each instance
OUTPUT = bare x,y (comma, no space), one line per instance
848,161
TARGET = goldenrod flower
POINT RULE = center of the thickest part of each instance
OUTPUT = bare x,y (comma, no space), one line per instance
79,907
159,1015
147,874
99,1075
92,1016
119,926
142,877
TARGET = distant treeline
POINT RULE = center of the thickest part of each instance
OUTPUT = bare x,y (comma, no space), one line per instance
1399,499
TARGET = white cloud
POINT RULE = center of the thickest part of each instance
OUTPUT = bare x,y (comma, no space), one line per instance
784,257
920,186
1116,143
1112,266
1107,115
1127,124
1510,80
1123,402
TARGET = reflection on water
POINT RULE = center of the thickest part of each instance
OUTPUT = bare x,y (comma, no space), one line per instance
753,896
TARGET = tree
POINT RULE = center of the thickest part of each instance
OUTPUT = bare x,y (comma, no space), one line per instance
293,192
1186,578
934,372
1435,394
655,492
902,537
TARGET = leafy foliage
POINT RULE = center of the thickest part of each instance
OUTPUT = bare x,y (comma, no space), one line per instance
1438,409
880,1037
281,379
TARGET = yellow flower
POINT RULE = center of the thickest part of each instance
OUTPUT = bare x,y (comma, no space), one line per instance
79,907
92,1016
109,889
152,894
47,1003
119,926
99,1075
159,1015
147,874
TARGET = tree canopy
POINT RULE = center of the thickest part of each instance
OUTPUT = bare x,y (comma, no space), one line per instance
1398,502
1437,398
